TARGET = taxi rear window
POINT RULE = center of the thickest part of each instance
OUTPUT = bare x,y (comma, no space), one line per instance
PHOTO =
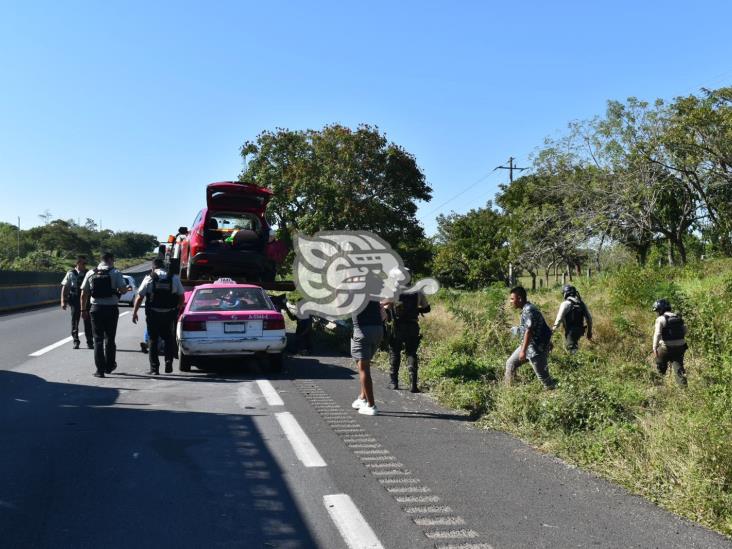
230,299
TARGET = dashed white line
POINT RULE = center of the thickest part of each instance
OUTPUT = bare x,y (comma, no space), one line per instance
304,449
353,528
269,393
54,345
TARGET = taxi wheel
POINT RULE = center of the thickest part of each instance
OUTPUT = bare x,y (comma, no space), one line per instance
275,363
184,362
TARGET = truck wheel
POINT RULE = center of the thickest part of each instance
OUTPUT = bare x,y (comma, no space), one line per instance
184,361
275,363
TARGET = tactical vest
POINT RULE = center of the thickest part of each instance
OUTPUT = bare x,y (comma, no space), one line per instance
163,296
75,279
674,328
407,310
101,284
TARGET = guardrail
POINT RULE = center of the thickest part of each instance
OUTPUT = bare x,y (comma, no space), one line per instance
23,289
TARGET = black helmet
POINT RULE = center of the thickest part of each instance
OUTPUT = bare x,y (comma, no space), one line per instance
568,290
661,306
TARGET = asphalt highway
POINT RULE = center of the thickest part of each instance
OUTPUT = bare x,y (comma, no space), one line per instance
236,458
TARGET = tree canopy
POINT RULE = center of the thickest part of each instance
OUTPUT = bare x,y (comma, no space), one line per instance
341,178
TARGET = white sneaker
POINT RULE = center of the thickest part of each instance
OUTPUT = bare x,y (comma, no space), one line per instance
358,403
368,410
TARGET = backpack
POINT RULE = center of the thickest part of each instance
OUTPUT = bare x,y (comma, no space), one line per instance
101,284
162,293
674,328
575,317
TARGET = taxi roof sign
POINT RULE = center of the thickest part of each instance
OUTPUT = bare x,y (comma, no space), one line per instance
225,280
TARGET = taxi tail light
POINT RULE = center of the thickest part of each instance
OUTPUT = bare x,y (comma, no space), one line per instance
274,324
193,325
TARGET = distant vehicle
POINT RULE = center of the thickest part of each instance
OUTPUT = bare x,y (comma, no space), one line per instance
226,319
230,236
129,297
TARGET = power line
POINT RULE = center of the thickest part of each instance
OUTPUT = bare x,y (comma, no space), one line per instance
466,189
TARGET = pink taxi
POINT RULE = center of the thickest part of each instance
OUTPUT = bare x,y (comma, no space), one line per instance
227,319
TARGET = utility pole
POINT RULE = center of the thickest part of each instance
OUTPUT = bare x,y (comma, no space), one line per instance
510,168
18,236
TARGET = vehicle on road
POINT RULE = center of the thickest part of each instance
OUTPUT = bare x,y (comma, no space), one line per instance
129,297
230,236
228,319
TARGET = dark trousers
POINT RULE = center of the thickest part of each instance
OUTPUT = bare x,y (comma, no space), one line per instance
104,325
405,336
161,326
675,356
304,335
572,337
75,308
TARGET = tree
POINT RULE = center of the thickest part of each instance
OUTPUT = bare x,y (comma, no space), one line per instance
471,249
340,178
698,146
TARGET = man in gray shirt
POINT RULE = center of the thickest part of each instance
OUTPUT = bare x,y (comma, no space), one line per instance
102,287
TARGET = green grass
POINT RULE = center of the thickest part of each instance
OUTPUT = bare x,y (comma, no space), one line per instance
612,413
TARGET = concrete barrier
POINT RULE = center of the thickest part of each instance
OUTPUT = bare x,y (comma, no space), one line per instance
23,290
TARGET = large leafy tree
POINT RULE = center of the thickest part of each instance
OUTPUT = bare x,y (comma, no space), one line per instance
471,249
341,178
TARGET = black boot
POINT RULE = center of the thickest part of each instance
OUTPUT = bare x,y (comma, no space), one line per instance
413,382
394,381
168,367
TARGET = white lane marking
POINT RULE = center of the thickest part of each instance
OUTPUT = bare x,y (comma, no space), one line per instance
304,449
53,346
62,342
269,393
354,529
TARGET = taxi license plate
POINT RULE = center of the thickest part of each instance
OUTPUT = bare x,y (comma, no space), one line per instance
235,327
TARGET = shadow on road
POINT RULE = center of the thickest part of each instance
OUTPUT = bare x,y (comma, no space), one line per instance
428,415
76,472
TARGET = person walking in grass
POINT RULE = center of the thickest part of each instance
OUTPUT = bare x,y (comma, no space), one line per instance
575,317
535,341
669,341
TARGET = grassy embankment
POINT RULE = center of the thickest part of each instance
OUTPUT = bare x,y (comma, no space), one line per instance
612,413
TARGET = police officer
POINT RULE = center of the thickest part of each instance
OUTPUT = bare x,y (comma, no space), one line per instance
572,314
403,319
71,298
164,295
102,288
669,341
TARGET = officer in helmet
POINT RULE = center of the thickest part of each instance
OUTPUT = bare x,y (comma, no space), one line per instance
669,341
572,314
164,295
403,327
100,293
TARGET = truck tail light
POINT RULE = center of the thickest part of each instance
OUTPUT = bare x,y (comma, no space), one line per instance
189,325
274,324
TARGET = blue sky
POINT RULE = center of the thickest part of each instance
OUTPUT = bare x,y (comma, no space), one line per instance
124,111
